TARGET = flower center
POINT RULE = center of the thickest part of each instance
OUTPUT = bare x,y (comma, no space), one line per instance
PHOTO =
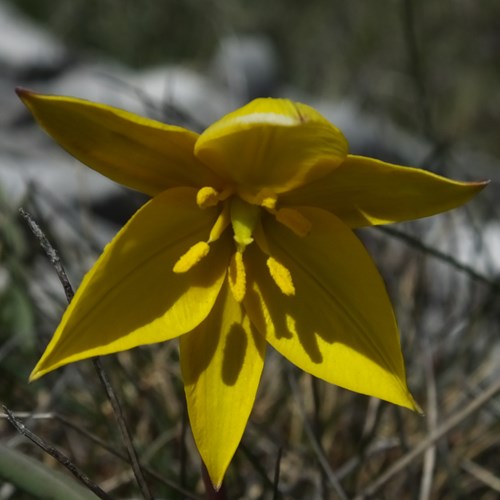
242,211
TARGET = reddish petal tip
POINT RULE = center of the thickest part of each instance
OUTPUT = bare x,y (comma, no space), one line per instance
23,93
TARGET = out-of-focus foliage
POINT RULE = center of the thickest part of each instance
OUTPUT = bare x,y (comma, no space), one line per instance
16,315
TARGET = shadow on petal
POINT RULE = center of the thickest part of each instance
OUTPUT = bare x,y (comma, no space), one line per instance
285,323
198,347
234,354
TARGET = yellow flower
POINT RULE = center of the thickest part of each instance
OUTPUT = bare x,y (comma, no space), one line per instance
247,240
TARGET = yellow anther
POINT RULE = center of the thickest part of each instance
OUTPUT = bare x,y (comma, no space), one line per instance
237,277
281,276
269,202
207,197
265,198
293,220
196,253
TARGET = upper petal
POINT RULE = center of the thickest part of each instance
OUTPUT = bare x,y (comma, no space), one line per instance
339,325
131,296
142,154
272,143
364,192
222,361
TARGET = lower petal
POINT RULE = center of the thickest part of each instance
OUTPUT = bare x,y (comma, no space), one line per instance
339,325
131,296
222,361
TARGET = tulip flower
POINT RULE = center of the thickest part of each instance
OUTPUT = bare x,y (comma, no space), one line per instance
247,240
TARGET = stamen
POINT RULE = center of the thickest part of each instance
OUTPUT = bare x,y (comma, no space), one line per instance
207,197
200,250
265,198
293,220
281,276
196,253
220,225
237,277
279,273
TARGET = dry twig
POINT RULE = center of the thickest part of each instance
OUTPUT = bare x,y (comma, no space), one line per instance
54,452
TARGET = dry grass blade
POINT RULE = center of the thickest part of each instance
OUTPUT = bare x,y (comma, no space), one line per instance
441,431
482,474
432,413
322,459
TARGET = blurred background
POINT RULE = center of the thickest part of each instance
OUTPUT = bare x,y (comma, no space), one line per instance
412,82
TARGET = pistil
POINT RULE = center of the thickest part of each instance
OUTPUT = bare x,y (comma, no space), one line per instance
244,218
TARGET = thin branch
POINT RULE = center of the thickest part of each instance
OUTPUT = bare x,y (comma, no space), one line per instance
167,110
53,256
441,431
444,257
53,452
51,253
124,429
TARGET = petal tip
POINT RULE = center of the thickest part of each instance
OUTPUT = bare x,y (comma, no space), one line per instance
482,184
217,486
24,93
416,407
475,187
35,375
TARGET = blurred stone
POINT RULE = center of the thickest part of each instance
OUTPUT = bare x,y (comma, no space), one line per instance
24,45
247,65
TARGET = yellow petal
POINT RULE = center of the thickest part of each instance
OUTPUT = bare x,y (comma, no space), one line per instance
339,325
221,360
272,143
131,296
142,154
365,192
